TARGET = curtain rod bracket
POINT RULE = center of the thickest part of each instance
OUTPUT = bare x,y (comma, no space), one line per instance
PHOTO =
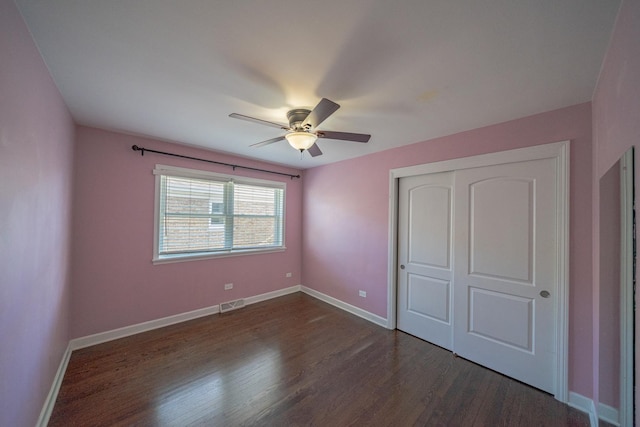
136,148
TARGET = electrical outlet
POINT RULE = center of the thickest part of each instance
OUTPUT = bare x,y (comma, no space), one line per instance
289,274
363,294
228,286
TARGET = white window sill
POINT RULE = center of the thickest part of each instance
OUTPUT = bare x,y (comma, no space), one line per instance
166,259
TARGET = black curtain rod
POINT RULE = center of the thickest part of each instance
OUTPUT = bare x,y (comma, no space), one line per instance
142,150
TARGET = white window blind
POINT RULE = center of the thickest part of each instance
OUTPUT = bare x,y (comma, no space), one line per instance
201,214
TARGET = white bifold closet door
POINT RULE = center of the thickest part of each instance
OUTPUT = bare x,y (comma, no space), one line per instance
477,256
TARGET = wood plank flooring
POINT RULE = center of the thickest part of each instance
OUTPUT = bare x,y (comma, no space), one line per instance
291,361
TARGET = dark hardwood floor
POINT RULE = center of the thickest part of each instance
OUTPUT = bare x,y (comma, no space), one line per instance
293,360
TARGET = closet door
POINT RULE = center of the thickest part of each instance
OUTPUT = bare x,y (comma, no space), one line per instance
425,264
505,269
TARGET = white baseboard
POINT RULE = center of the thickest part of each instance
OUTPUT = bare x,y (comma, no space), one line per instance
126,331
609,414
584,404
381,321
272,294
50,401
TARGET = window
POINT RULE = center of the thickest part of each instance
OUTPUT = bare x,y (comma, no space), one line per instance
201,214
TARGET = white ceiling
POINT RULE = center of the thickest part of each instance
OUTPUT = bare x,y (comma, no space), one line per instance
404,71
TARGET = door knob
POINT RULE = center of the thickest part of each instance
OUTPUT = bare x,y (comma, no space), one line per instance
544,294
402,267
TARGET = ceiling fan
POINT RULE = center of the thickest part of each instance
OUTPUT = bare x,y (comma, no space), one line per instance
301,131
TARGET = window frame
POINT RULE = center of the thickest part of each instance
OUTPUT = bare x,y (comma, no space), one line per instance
165,170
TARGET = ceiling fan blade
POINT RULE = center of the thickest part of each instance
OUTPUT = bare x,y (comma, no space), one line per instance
259,121
324,109
314,150
345,136
267,142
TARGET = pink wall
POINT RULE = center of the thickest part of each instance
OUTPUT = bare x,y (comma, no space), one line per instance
114,282
346,204
36,149
616,128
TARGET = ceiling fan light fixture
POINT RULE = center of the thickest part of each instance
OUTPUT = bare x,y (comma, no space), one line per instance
301,140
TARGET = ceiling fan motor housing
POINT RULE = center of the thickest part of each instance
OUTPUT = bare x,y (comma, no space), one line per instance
296,117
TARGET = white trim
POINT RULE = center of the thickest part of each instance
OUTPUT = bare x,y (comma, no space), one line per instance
374,318
168,259
584,404
156,215
536,152
558,151
114,334
563,245
625,416
392,268
126,331
272,294
50,401
609,414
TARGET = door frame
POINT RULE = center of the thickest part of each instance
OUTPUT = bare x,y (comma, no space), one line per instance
627,296
558,151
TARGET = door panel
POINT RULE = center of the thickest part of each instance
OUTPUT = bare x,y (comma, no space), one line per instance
429,216
501,217
505,257
428,297
425,251
488,311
